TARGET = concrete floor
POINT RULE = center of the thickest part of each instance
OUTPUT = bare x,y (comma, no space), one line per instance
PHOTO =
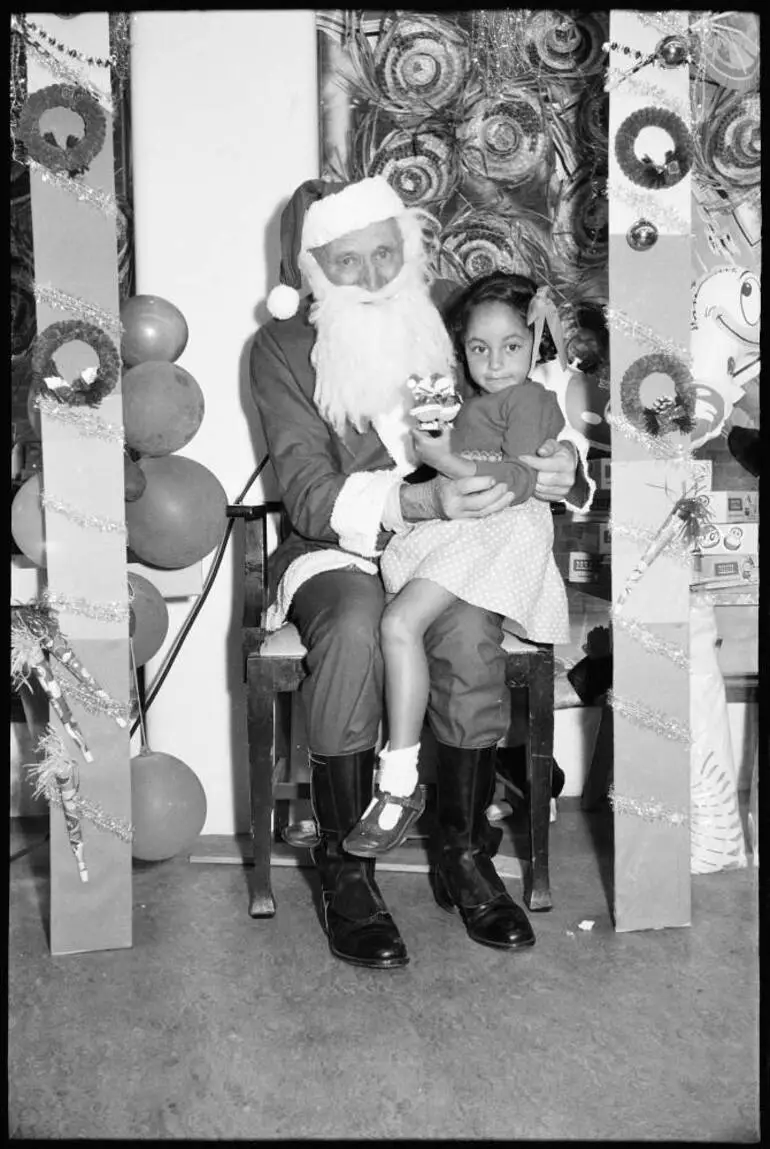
214,1026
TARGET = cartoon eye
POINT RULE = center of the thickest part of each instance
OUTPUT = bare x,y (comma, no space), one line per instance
750,299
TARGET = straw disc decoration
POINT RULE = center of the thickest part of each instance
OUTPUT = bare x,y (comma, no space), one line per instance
476,246
593,119
76,156
420,165
505,138
581,230
732,142
420,65
560,46
729,49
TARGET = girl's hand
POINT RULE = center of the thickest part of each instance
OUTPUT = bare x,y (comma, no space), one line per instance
433,449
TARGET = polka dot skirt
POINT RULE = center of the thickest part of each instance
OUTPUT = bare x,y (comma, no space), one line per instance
503,563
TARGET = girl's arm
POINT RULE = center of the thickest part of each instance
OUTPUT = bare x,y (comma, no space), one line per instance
532,416
435,450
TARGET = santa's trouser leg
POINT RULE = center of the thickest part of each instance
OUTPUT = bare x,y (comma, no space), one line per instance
338,616
469,713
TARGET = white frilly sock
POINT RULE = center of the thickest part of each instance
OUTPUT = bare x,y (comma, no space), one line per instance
398,775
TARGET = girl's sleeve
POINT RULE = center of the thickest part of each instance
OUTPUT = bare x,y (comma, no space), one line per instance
531,416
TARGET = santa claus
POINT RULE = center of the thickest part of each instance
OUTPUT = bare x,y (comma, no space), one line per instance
329,378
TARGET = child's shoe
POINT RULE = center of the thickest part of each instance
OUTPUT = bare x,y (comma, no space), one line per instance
367,839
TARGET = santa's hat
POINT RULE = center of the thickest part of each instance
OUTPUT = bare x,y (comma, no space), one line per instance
318,212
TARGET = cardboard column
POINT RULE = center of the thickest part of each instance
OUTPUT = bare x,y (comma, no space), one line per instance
649,293
75,251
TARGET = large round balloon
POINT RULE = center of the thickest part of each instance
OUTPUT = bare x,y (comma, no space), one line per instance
180,517
152,329
150,615
28,520
168,806
163,407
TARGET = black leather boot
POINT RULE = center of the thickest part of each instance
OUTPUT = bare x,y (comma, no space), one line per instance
465,875
357,922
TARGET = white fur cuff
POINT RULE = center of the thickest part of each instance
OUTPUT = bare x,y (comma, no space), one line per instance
359,508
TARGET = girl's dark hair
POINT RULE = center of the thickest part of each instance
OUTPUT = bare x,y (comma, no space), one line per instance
515,291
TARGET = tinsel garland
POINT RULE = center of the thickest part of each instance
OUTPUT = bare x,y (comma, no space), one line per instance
95,197
73,77
617,320
75,515
661,449
57,779
99,703
673,548
80,309
652,208
83,419
638,86
650,641
650,809
101,611
649,719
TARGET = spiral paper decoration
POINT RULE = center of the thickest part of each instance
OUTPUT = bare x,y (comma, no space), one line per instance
592,122
581,227
421,64
564,46
505,138
732,142
479,243
420,165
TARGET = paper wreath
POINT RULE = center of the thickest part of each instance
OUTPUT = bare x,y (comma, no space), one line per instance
78,154
94,383
645,172
666,413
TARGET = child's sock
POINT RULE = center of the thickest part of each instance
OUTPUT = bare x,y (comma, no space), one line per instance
398,775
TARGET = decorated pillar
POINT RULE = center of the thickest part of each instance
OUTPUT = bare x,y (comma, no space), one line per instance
653,476
66,127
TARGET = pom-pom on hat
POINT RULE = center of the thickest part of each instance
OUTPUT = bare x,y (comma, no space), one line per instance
318,212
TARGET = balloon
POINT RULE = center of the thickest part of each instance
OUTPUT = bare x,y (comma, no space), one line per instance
168,806
150,618
162,407
134,480
28,521
181,515
152,329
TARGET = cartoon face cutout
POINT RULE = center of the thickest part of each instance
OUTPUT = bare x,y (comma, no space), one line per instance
734,538
710,538
583,402
724,342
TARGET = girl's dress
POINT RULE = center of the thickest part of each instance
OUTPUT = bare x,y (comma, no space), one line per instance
504,562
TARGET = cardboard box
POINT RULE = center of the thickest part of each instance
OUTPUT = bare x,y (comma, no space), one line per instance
730,539
725,570
583,567
732,506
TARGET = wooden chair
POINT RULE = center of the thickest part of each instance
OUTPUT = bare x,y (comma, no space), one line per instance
273,670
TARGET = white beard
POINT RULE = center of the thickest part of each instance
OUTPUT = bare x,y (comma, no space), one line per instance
368,344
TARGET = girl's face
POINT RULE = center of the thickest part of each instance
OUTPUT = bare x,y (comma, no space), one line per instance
498,346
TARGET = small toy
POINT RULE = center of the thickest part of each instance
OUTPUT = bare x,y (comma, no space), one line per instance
436,400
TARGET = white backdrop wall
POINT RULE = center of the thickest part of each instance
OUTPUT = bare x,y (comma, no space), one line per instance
224,126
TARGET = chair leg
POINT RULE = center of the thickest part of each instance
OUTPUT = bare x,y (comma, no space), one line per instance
540,767
261,732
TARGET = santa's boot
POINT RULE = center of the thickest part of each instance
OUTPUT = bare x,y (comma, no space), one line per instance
357,922
465,875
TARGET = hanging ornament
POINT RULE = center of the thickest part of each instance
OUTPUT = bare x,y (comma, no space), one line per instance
658,415
642,235
673,51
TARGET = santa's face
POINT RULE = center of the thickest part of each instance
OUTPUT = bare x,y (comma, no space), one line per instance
370,258
376,323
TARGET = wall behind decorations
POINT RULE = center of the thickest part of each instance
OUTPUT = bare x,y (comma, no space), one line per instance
224,112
